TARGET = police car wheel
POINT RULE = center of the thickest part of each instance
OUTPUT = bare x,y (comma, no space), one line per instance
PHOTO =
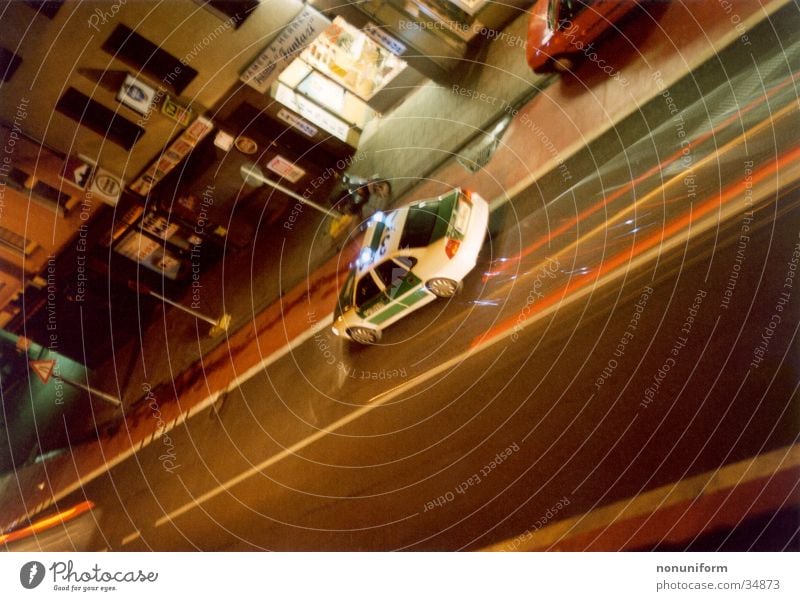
364,335
443,287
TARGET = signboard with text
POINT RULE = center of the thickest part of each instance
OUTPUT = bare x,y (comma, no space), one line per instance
136,95
294,38
172,155
286,169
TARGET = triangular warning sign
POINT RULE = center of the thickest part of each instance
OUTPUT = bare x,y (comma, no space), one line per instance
43,368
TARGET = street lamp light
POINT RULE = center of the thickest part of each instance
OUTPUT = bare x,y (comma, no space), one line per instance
253,176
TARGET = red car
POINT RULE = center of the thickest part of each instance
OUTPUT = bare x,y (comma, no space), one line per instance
561,32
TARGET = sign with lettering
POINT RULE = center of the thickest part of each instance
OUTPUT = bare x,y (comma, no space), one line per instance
286,169
378,34
176,111
172,155
77,171
292,40
107,186
136,95
298,123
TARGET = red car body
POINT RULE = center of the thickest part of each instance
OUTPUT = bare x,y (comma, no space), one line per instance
561,31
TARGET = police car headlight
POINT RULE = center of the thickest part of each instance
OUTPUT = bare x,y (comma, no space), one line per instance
365,257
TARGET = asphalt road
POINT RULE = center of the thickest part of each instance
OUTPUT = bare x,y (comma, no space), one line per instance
627,327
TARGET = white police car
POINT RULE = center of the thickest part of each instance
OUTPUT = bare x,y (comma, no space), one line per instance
410,257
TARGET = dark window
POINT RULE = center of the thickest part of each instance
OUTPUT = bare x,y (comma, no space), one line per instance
50,194
366,290
407,262
9,62
235,10
15,242
419,225
48,8
568,10
137,51
391,274
99,118
18,178
346,297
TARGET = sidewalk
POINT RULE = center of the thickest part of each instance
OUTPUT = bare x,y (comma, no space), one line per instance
434,122
180,371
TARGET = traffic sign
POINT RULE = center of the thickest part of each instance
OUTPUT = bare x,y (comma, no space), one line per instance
107,186
43,368
77,171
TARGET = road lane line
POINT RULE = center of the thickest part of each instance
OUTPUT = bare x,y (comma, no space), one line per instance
375,402
109,464
478,346
692,489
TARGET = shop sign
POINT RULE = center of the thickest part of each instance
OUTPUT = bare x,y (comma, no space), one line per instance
149,253
159,226
136,95
223,140
313,112
173,155
176,111
292,40
353,60
246,145
378,34
297,122
286,169
107,186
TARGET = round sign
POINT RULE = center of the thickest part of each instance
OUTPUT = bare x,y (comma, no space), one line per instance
246,145
107,184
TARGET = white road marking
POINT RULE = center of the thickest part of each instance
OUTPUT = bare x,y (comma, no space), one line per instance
109,464
766,11
374,403
728,211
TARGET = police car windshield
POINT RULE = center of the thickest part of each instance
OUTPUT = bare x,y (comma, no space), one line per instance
419,225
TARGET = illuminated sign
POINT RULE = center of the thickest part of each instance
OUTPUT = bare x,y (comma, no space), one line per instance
173,155
353,60
378,34
176,111
294,38
286,169
298,123
313,112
